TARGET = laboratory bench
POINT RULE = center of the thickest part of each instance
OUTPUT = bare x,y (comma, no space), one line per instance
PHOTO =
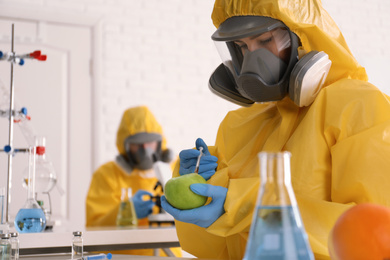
114,257
58,241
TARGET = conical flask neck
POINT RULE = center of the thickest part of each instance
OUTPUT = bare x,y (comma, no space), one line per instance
126,194
275,179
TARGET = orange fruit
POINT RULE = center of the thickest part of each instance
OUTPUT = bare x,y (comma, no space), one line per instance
361,233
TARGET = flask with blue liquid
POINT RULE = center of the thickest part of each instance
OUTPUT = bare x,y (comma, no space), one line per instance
277,231
30,218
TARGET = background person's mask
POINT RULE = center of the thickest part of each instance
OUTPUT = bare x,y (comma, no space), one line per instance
143,159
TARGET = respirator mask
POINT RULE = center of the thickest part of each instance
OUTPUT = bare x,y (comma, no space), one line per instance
260,63
144,156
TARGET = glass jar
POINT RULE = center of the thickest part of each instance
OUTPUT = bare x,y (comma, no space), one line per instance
77,245
14,246
5,247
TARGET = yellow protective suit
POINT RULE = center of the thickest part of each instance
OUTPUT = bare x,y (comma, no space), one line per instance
340,144
104,195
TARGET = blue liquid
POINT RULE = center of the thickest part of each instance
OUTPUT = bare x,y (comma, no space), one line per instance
30,220
275,234
99,256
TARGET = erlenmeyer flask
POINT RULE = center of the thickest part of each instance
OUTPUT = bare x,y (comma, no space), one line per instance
30,218
127,216
277,230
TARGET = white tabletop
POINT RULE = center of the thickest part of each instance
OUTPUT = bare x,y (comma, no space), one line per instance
99,239
114,257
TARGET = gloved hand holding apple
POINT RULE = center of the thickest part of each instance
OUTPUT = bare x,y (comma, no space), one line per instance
202,216
185,195
178,192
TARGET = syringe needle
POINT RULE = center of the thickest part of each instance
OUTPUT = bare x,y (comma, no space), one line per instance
198,161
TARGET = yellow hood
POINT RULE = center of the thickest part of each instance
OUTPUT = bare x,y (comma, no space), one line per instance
309,21
138,120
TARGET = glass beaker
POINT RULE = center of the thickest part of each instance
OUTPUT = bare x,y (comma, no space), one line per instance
277,231
30,218
127,216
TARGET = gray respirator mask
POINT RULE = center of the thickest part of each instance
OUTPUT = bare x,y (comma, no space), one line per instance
260,63
145,157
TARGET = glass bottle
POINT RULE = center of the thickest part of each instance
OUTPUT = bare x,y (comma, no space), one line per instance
126,214
14,246
77,245
30,218
277,231
5,247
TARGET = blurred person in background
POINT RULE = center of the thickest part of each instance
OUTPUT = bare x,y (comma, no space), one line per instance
287,62
141,145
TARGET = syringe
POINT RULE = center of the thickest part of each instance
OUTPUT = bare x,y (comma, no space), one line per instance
96,257
198,161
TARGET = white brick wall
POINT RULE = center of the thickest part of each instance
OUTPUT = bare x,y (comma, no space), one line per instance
159,53
366,27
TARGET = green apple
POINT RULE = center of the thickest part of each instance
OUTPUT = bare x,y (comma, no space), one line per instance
179,195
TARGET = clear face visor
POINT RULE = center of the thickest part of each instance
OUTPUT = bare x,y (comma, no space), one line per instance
259,53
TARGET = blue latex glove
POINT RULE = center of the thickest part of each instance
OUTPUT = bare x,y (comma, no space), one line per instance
143,208
188,158
203,216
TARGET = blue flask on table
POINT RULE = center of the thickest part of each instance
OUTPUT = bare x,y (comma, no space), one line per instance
30,218
277,231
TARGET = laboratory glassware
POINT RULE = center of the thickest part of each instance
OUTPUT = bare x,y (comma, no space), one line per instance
127,216
4,227
277,231
5,247
12,58
77,245
45,176
2,193
14,246
30,218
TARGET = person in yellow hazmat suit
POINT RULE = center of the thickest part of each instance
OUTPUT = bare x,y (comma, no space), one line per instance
288,64
141,144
